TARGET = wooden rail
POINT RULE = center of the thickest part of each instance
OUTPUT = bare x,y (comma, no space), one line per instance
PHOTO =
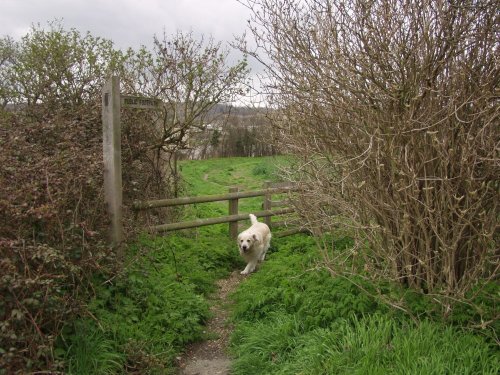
137,205
232,197
218,220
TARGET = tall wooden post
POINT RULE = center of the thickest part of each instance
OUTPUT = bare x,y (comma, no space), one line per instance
233,210
267,203
112,158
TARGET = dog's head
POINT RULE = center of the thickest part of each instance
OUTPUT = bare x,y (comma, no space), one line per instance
246,241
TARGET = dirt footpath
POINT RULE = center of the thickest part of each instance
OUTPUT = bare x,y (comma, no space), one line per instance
210,357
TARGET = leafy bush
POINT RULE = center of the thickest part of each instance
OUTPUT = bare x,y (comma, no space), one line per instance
49,231
53,223
59,68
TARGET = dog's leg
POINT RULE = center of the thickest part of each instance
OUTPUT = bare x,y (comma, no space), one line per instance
263,255
249,268
266,247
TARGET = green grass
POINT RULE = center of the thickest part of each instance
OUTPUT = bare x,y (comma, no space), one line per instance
145,316
141,319
91,352
375,344
293,317
216,176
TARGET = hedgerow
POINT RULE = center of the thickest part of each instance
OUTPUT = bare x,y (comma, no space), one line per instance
53,227
48,229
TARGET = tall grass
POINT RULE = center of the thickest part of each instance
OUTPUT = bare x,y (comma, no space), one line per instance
91,352
375,344
145,316
292,317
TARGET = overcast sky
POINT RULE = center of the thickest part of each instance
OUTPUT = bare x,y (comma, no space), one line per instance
129,23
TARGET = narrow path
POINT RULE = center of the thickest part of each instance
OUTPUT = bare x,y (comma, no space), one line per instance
210,357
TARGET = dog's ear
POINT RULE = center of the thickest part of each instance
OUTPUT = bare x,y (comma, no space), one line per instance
255,237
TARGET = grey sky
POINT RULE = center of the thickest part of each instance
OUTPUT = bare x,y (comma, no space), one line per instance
129,23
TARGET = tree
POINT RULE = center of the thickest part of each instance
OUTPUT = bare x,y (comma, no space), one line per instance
190,78
392,107
8,49
57,68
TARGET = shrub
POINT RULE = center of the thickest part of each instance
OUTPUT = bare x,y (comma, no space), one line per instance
53,223
392,107
49,231
57,68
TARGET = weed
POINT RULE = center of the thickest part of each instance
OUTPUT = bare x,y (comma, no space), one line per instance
91,352
154,309
265,169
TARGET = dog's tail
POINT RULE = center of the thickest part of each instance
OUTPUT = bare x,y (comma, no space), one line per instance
253,219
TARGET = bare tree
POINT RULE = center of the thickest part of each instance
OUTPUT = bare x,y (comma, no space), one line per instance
391,107
8,50
190,77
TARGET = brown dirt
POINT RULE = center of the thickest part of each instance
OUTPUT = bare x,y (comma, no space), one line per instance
210,357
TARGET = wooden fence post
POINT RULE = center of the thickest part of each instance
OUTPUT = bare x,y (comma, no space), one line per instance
112,158
267,203
233,210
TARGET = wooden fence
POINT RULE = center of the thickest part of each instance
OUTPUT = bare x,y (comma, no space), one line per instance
233,197
112,101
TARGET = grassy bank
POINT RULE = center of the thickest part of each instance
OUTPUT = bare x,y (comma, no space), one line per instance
293,317
139,321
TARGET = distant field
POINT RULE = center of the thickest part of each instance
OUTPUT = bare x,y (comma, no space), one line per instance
216,176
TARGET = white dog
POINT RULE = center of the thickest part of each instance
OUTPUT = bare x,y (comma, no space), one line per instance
253,244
